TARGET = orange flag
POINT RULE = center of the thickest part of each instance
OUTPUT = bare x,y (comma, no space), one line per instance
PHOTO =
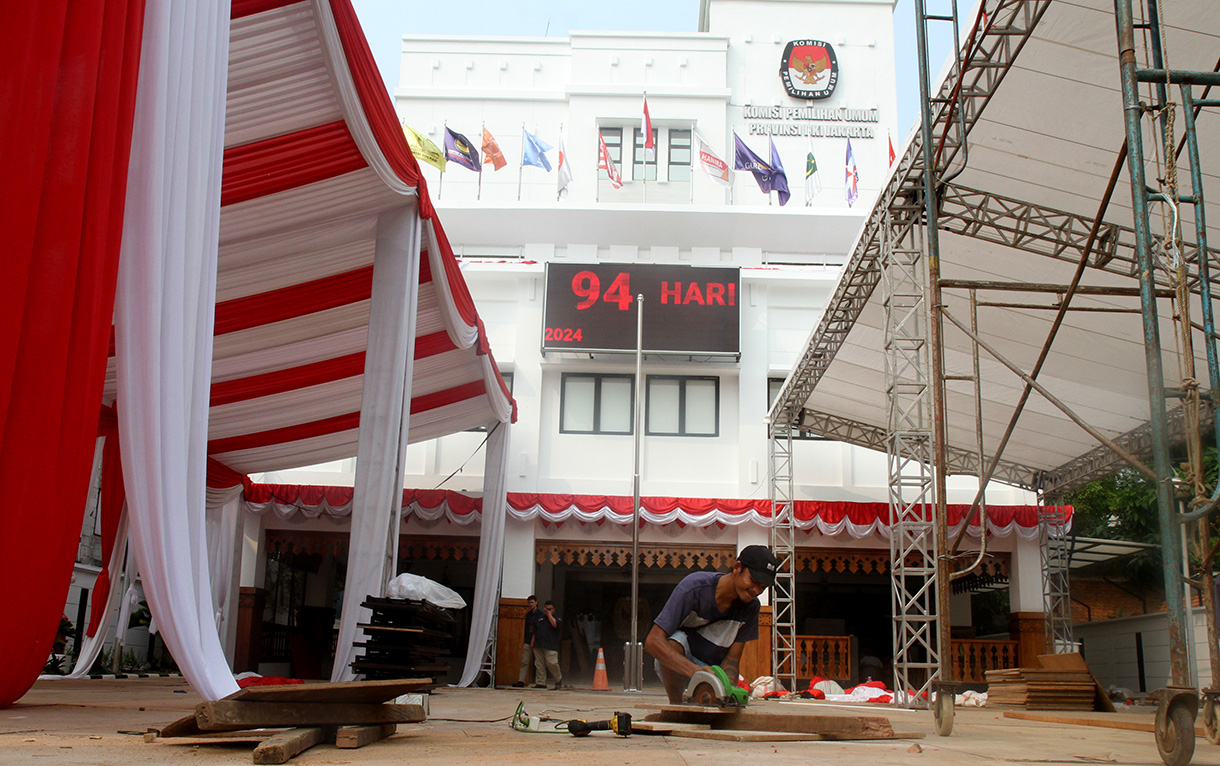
491,152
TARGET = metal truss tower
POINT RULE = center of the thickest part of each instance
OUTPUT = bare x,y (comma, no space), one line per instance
1056,553
909,452
783,593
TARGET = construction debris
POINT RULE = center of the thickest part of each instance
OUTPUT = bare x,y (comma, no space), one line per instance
350,715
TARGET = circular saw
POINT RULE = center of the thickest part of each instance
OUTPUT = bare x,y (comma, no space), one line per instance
711,687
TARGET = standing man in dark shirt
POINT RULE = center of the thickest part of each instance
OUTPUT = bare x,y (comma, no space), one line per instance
546,645
527,647
709,618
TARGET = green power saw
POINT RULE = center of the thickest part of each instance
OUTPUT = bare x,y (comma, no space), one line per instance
711,687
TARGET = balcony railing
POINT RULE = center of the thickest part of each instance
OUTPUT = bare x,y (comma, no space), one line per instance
834,657
971,658
826,656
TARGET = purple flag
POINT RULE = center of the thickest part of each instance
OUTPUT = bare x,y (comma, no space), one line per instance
744,159
779,179
459,149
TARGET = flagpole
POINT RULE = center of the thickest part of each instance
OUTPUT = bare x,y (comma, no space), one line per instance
646,137
440,187
561,159
521,167
478,194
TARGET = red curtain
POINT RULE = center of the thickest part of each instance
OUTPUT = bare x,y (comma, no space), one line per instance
110,510
68,83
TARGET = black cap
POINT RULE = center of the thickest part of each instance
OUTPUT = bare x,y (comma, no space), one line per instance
761,562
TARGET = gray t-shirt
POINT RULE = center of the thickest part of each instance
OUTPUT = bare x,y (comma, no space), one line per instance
692,608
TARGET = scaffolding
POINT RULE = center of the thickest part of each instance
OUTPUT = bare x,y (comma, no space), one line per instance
783,543
1056,552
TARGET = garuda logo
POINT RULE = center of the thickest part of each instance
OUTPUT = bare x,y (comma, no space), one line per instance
809,69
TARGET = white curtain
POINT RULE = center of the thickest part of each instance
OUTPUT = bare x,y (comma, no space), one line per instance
91,646
385,410
222,536
164,319
491,551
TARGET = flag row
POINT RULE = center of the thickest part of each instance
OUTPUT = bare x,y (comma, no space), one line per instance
769,174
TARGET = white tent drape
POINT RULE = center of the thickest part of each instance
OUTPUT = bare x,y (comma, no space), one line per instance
91,646
222,531
491,550
384,425
164,321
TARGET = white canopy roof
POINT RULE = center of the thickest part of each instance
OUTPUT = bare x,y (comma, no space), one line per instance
313,156
1045,128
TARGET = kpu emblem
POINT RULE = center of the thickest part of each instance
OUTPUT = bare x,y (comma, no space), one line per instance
809,69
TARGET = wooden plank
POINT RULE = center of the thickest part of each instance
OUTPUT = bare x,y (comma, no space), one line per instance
663,727
742,735
349,737
183,727
286,744
1073,661
348,691
1119,722
226,713
828,726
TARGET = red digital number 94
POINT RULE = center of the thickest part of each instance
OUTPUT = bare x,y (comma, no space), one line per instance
587,287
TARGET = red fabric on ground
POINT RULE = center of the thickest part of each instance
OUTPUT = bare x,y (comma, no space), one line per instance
68,84
267,681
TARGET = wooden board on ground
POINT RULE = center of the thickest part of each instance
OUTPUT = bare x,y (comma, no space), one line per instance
349,691
664,727
229,713
1073,661
285,745
731,735
827,727
1105,723
348,737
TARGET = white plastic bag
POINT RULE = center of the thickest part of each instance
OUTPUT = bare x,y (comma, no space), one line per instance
419,588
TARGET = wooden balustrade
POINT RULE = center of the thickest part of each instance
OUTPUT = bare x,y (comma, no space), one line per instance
826,656
971,658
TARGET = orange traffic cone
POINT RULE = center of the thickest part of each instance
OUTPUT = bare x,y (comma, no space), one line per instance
600,682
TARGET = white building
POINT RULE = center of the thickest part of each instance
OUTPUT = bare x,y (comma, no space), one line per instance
572,445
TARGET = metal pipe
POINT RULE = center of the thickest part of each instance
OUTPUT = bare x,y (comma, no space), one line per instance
635,675
1171,547
1045,287
1073,288
978,431
1177,77
1114,446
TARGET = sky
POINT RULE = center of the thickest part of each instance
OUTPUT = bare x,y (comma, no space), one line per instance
386,21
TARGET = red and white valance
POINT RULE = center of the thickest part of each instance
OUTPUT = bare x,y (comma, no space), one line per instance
855,519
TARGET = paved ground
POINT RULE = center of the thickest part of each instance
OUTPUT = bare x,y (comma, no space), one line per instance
102,722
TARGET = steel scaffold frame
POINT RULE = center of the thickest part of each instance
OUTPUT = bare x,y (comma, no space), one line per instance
783,543
1056,554
909,459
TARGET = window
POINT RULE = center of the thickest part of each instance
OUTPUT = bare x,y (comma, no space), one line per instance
614,145
679,155
639,165
773,387
595,404
683,406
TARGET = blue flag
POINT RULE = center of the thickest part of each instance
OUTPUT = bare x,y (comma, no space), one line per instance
534,152
779,179
851,177
744,159
459,149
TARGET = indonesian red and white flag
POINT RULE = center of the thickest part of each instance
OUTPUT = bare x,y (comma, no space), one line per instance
605,163
650,146
717,169
892,155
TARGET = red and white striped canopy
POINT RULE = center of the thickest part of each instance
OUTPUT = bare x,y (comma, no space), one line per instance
314,154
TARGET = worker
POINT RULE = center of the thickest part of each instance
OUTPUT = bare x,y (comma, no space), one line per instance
546,645
709,618
527,644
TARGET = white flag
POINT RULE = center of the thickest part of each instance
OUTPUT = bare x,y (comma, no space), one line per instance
565,170
717,169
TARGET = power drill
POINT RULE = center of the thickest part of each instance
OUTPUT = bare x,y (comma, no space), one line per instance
620,724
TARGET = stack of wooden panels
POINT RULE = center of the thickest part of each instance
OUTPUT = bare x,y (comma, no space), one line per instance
1040,689
291,718
404,639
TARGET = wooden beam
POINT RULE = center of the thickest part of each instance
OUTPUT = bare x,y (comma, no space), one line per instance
349,691
227,713
286,744
348,737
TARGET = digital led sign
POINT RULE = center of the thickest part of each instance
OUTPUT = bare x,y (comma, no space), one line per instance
687,309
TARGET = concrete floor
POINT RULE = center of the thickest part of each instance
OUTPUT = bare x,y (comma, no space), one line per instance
102,722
